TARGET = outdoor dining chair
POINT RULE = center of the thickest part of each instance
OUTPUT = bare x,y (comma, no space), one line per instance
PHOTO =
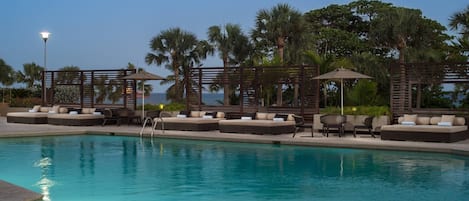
333,121
367,124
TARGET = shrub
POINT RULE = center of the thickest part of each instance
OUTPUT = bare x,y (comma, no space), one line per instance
359,110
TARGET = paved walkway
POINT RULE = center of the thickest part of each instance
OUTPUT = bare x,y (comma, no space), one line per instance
302,138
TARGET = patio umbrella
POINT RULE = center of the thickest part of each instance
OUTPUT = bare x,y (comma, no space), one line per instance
341,74
142,75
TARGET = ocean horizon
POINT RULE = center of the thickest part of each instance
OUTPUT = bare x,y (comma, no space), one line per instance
160,98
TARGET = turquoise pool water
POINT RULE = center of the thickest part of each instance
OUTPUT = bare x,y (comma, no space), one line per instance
103,168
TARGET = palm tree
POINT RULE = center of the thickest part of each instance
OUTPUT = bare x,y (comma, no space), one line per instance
103,90
227,41
175,48
460,20
399,29
31,76
69,75
6,77
275,28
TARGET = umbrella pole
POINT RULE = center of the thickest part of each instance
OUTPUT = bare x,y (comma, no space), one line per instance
342,96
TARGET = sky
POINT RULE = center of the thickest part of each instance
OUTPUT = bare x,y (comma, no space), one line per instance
108,34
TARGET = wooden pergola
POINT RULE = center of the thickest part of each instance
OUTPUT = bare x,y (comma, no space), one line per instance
407,99
89,88
249,84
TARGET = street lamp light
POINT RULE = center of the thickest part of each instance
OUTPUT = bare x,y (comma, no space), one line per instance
45,36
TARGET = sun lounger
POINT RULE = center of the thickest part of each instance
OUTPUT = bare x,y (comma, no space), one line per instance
428,129
57,115
263,123
193,121
27,117
36,115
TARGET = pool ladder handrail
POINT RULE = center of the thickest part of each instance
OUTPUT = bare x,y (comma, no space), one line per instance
154,123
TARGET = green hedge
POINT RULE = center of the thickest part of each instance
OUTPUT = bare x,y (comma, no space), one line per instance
359,110
167,107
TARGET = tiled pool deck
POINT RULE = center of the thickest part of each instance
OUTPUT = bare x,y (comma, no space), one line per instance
302,138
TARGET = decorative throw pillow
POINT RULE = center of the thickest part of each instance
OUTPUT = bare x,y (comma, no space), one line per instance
193,113
220,115
459,121
63,110
270,116
423,121
36,108
246,118
435,120
261,116
410,117
447,118
55,109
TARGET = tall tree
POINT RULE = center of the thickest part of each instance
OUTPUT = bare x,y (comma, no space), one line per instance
397,29
31,76
274,29
7,76
227,40
460,21
68,75
177,49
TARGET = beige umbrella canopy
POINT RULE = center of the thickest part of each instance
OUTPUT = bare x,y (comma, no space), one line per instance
142,75
341,74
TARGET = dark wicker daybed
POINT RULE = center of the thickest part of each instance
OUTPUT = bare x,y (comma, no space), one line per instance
27,117
36,115
256,126
191,121
188,124
261,123
425,133
75,119
426,129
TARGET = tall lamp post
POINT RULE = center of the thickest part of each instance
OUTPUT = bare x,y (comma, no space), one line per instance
45,36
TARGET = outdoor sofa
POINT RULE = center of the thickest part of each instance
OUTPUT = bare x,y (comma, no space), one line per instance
190,121
36,115
259,123
57,115
82,117
445,128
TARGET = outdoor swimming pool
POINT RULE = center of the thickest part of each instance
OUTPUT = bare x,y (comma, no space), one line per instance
103,168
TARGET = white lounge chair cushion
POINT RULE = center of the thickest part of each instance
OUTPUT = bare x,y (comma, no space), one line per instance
445,123
408,123
278,119
181,116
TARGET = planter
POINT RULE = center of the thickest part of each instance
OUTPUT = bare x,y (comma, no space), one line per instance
353,120
4,107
